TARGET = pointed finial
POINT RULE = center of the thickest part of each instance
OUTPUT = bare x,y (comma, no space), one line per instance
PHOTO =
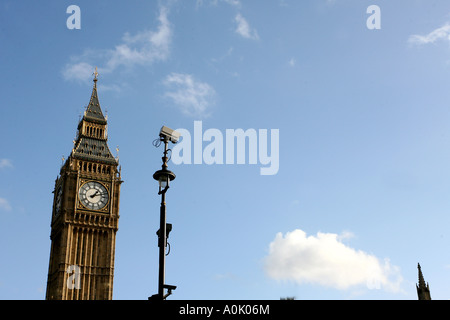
95,74
423,289
421,279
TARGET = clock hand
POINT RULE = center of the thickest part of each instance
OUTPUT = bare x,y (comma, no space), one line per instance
96,194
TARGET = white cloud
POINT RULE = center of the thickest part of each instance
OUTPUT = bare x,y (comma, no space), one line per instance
145,47
142,48
234,3
435,35
292,62
81,72
243,28
324,260
4,205
5,163
193,97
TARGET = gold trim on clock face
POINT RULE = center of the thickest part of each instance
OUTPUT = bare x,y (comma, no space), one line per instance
93,195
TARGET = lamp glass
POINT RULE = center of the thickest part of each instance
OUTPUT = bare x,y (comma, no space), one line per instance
163,181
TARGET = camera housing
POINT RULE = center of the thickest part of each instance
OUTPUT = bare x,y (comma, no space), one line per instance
169,134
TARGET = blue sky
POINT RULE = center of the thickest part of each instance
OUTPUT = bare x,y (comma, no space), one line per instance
362,191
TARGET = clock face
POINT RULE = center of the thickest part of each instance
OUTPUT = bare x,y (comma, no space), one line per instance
93,195
58,200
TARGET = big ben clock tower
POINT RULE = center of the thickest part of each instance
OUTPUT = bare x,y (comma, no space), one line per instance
85,214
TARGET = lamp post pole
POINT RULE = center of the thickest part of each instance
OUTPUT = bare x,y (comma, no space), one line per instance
162,231
162,246
163,176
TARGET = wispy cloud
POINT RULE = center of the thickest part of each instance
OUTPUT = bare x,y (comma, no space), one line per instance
324,260
143,48
193,97
81,71
235,3
4,205
292,62
5,163
243,28
442,33
227,54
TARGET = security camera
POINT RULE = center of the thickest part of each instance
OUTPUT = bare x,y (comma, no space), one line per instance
169,287
169,134
168,229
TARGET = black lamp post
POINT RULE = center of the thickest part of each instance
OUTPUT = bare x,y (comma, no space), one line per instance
164,177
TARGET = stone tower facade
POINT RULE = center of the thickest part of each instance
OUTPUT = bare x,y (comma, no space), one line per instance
85,214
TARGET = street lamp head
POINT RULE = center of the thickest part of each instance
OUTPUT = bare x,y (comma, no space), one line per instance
163,177
169,134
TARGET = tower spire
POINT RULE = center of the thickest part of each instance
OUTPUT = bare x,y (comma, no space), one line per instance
91,141
423,290
93,111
